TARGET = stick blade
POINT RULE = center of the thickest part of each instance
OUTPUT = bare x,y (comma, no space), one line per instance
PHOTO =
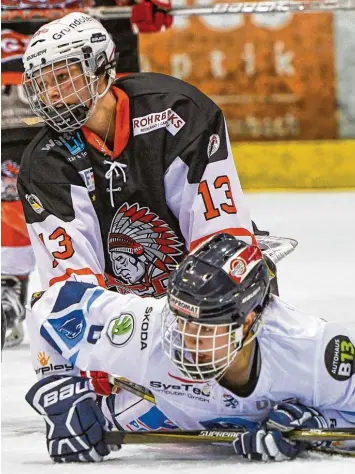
276,248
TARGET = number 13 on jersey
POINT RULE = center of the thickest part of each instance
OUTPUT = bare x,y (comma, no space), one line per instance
212,208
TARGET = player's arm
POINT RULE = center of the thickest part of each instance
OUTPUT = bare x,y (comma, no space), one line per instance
91,329
332,404
202,187
46,360
97,329
334,367
64,230
75,424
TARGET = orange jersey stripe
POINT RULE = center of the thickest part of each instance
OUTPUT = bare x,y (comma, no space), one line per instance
80,271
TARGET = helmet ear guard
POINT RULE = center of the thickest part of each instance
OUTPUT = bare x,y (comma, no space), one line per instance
215,288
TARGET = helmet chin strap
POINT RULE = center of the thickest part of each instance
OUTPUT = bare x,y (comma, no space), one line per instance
258,325
111,67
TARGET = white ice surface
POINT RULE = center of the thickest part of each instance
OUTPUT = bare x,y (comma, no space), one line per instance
319,278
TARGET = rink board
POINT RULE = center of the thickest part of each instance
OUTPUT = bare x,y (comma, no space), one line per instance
296,164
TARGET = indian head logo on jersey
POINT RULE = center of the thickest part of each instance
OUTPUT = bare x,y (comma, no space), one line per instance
143,251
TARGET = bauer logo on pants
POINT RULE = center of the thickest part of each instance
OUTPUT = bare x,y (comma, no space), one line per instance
149,123
339,358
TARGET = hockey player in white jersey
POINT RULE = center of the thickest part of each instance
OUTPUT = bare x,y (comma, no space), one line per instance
218,351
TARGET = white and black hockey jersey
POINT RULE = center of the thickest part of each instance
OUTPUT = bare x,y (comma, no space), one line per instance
80,327
123,219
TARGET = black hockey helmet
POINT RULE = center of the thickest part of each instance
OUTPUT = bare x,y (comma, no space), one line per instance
209,297
221,282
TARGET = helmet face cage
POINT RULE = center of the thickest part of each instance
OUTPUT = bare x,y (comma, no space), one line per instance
204,353
84,87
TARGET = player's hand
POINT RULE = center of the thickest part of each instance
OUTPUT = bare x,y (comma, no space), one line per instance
267,443
75,423
100,381
150,16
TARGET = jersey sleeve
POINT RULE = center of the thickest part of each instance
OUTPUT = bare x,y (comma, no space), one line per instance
203,190
62,225
96,329
46,360
335,384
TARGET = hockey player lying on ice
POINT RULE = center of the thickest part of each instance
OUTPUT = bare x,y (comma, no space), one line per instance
218,351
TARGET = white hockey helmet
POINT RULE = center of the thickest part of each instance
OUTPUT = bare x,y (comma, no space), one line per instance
79,39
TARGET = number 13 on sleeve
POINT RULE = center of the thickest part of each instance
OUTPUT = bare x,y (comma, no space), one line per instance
214,210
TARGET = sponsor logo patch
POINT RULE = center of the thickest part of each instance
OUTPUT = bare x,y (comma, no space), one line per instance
120,330
184,307
77,22
219,434
251,295
97,38
88,178
35,203
167,119
73,143
43,359
145,328
238,267
36,296
184,389
35,55
42,31
242,262
46,366
213,145
339,358
72,327
229,401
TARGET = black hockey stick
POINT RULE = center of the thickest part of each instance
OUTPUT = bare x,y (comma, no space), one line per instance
205,436
218,436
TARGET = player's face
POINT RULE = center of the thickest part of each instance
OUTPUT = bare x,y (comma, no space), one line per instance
207,344
61,84
126,267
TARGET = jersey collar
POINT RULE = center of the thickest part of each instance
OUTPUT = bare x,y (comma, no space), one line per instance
122,127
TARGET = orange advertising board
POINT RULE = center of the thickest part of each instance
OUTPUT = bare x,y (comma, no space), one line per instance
273,75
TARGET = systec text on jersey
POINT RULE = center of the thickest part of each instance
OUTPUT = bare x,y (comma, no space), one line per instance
185,389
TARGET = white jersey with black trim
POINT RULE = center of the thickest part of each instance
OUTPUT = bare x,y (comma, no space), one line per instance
82,327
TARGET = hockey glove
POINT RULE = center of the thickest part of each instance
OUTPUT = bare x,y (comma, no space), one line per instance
267,443
149,16
75,424
100,381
